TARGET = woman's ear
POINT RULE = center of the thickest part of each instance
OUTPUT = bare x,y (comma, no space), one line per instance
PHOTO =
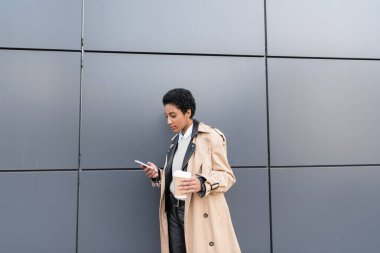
188,113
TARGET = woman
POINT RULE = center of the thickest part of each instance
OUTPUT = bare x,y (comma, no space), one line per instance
202,222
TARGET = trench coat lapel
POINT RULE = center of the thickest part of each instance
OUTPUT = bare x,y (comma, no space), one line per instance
170,156
191,147
189,153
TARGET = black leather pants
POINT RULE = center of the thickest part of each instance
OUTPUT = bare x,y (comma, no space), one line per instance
175,214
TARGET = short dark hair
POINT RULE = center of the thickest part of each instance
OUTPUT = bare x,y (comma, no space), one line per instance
180,98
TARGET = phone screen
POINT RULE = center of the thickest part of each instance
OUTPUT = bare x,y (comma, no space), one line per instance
141,163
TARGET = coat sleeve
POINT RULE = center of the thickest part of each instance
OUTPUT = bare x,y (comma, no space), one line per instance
220,178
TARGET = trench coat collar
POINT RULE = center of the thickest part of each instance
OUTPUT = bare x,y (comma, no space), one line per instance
202,128
197,127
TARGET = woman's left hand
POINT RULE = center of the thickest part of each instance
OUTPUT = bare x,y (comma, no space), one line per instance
189,185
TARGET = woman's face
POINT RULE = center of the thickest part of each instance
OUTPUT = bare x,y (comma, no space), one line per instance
176,119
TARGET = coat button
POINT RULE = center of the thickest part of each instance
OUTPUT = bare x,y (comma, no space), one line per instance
205,215
211,244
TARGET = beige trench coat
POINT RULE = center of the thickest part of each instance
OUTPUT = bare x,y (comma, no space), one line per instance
207,222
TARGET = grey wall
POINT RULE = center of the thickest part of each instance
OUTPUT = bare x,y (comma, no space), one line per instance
293,84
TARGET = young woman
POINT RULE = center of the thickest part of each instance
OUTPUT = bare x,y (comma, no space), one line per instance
202,222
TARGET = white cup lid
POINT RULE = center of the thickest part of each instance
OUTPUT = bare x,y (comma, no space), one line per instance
181,173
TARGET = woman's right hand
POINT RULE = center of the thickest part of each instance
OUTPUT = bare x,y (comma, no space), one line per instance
151,173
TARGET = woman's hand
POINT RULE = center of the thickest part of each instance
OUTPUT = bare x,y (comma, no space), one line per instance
189,185
151,173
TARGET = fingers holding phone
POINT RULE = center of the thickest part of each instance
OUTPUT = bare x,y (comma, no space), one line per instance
150,169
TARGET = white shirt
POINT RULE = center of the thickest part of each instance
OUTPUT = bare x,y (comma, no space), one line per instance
183,143
187,133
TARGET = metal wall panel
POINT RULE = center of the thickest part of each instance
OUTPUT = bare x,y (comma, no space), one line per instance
38,212
39,108
123,116
324,112
324,28
175,26
249,207
41,24
118,213
117,206
332,209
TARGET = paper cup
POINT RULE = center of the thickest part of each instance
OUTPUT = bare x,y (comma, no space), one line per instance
177,176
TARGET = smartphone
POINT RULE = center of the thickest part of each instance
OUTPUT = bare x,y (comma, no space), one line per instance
141,163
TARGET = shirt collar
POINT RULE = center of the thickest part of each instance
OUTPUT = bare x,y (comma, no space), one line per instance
187,133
